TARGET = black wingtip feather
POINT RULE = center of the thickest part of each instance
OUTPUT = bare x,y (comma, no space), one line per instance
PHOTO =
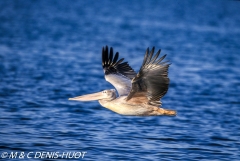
111,64
145,57
115,58
110,56
104,55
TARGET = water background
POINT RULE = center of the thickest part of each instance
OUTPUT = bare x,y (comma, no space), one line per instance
51,50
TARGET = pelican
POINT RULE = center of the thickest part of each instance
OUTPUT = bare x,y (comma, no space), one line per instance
139,93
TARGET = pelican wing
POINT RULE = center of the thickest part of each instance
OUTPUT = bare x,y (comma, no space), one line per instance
117,72
152,80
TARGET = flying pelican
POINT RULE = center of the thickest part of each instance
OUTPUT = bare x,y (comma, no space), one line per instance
139,93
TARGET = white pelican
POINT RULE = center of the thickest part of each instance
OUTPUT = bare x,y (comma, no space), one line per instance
138,94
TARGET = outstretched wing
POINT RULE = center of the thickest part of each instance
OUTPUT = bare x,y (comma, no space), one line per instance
152,80
117,72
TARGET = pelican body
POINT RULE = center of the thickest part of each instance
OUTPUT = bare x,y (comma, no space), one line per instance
139,93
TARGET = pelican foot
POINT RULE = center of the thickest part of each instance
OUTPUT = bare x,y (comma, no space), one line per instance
167,112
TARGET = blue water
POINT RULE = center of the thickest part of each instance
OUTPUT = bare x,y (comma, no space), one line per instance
51,50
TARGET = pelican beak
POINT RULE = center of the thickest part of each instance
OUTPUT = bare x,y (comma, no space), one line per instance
89,97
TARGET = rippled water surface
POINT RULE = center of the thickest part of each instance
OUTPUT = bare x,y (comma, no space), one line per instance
51,50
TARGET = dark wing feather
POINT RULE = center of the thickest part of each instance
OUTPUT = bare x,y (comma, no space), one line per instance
112,66
152,79
117,72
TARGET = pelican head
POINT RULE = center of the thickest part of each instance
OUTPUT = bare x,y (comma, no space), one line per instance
106,95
